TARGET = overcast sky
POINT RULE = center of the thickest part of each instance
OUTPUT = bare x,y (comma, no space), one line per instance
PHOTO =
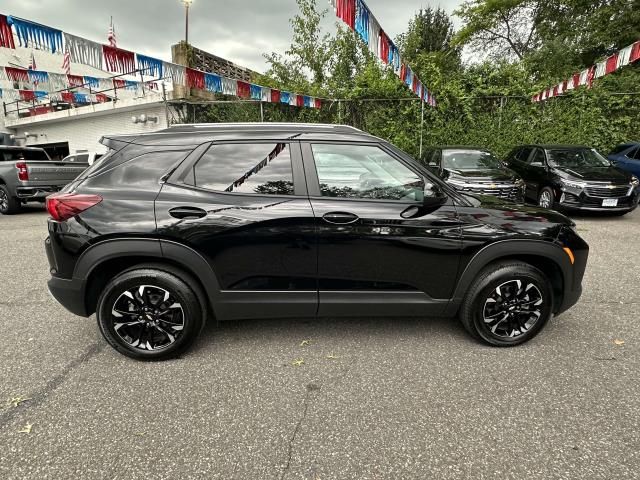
238,30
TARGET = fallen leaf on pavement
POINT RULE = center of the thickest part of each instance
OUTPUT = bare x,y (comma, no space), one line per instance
17,401
304,343
298,362
617,341
331,356
26,428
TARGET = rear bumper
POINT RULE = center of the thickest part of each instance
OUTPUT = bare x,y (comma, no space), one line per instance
36,192
70,294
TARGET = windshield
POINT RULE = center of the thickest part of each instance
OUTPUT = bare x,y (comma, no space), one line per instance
26,154
469,160
576,158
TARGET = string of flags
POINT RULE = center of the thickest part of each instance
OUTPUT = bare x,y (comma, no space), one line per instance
586,77
119,61
359,18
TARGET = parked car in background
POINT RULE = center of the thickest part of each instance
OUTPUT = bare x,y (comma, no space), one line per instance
82,157
627,157
243,221
29,175
474,170
570,177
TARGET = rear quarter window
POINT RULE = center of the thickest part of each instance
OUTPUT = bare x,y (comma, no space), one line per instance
142,172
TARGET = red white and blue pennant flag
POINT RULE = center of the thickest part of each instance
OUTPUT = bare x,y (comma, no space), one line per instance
586,77
113,59
358,17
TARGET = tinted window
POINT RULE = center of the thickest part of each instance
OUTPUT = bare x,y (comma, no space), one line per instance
263,168
362,171
524,154
18,154
141,172
635,154
469,160
538,158
577,157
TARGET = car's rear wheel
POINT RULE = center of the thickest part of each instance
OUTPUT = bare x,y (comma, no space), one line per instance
8,204
149,314
545,199
508,304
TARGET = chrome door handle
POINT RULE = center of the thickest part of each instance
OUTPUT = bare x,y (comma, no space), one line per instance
340,218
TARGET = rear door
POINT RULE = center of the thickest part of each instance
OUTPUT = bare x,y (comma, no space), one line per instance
244,207
376,255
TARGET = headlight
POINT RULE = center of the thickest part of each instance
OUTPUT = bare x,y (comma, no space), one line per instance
634,181
570,185
519,182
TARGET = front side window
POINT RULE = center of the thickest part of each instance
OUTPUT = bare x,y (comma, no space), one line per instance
364,171
262,168
469,160
576,158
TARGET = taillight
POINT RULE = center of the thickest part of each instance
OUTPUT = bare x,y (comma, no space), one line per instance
23,171
62,206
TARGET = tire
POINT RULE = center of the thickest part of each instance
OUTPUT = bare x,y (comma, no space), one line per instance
545,198
149,314
492,313
8,204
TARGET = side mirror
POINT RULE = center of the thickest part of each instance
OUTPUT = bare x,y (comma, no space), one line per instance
433,195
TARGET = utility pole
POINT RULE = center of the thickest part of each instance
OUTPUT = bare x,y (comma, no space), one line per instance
187,4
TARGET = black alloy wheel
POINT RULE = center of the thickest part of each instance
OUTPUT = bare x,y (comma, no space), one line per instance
513,308
148,317
149,314
8,204
508,304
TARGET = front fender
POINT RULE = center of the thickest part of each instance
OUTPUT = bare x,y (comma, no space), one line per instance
511,249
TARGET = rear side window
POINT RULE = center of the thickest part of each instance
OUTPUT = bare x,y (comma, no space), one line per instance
17,154
258,168
635,154
142,172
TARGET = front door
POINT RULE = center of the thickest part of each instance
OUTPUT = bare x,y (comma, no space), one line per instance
244,208
377,253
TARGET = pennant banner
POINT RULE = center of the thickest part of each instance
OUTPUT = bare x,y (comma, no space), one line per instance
6,35
356,14
150,66
609,65
36,35
83,51
118,60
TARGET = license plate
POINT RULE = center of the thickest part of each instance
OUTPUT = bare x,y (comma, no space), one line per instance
610,202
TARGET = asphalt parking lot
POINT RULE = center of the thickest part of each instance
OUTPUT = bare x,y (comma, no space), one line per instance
383,398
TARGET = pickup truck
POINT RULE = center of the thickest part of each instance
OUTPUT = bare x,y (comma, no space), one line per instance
28,174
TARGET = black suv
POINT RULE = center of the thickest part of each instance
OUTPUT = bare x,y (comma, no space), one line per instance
236,221
474,170
568,177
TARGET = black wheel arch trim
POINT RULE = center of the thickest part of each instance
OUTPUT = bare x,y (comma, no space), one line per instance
509,249
156,249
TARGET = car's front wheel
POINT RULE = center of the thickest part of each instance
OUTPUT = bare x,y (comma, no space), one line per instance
149,314
508,304
545,199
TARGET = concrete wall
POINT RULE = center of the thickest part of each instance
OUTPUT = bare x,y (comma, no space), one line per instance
84,131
